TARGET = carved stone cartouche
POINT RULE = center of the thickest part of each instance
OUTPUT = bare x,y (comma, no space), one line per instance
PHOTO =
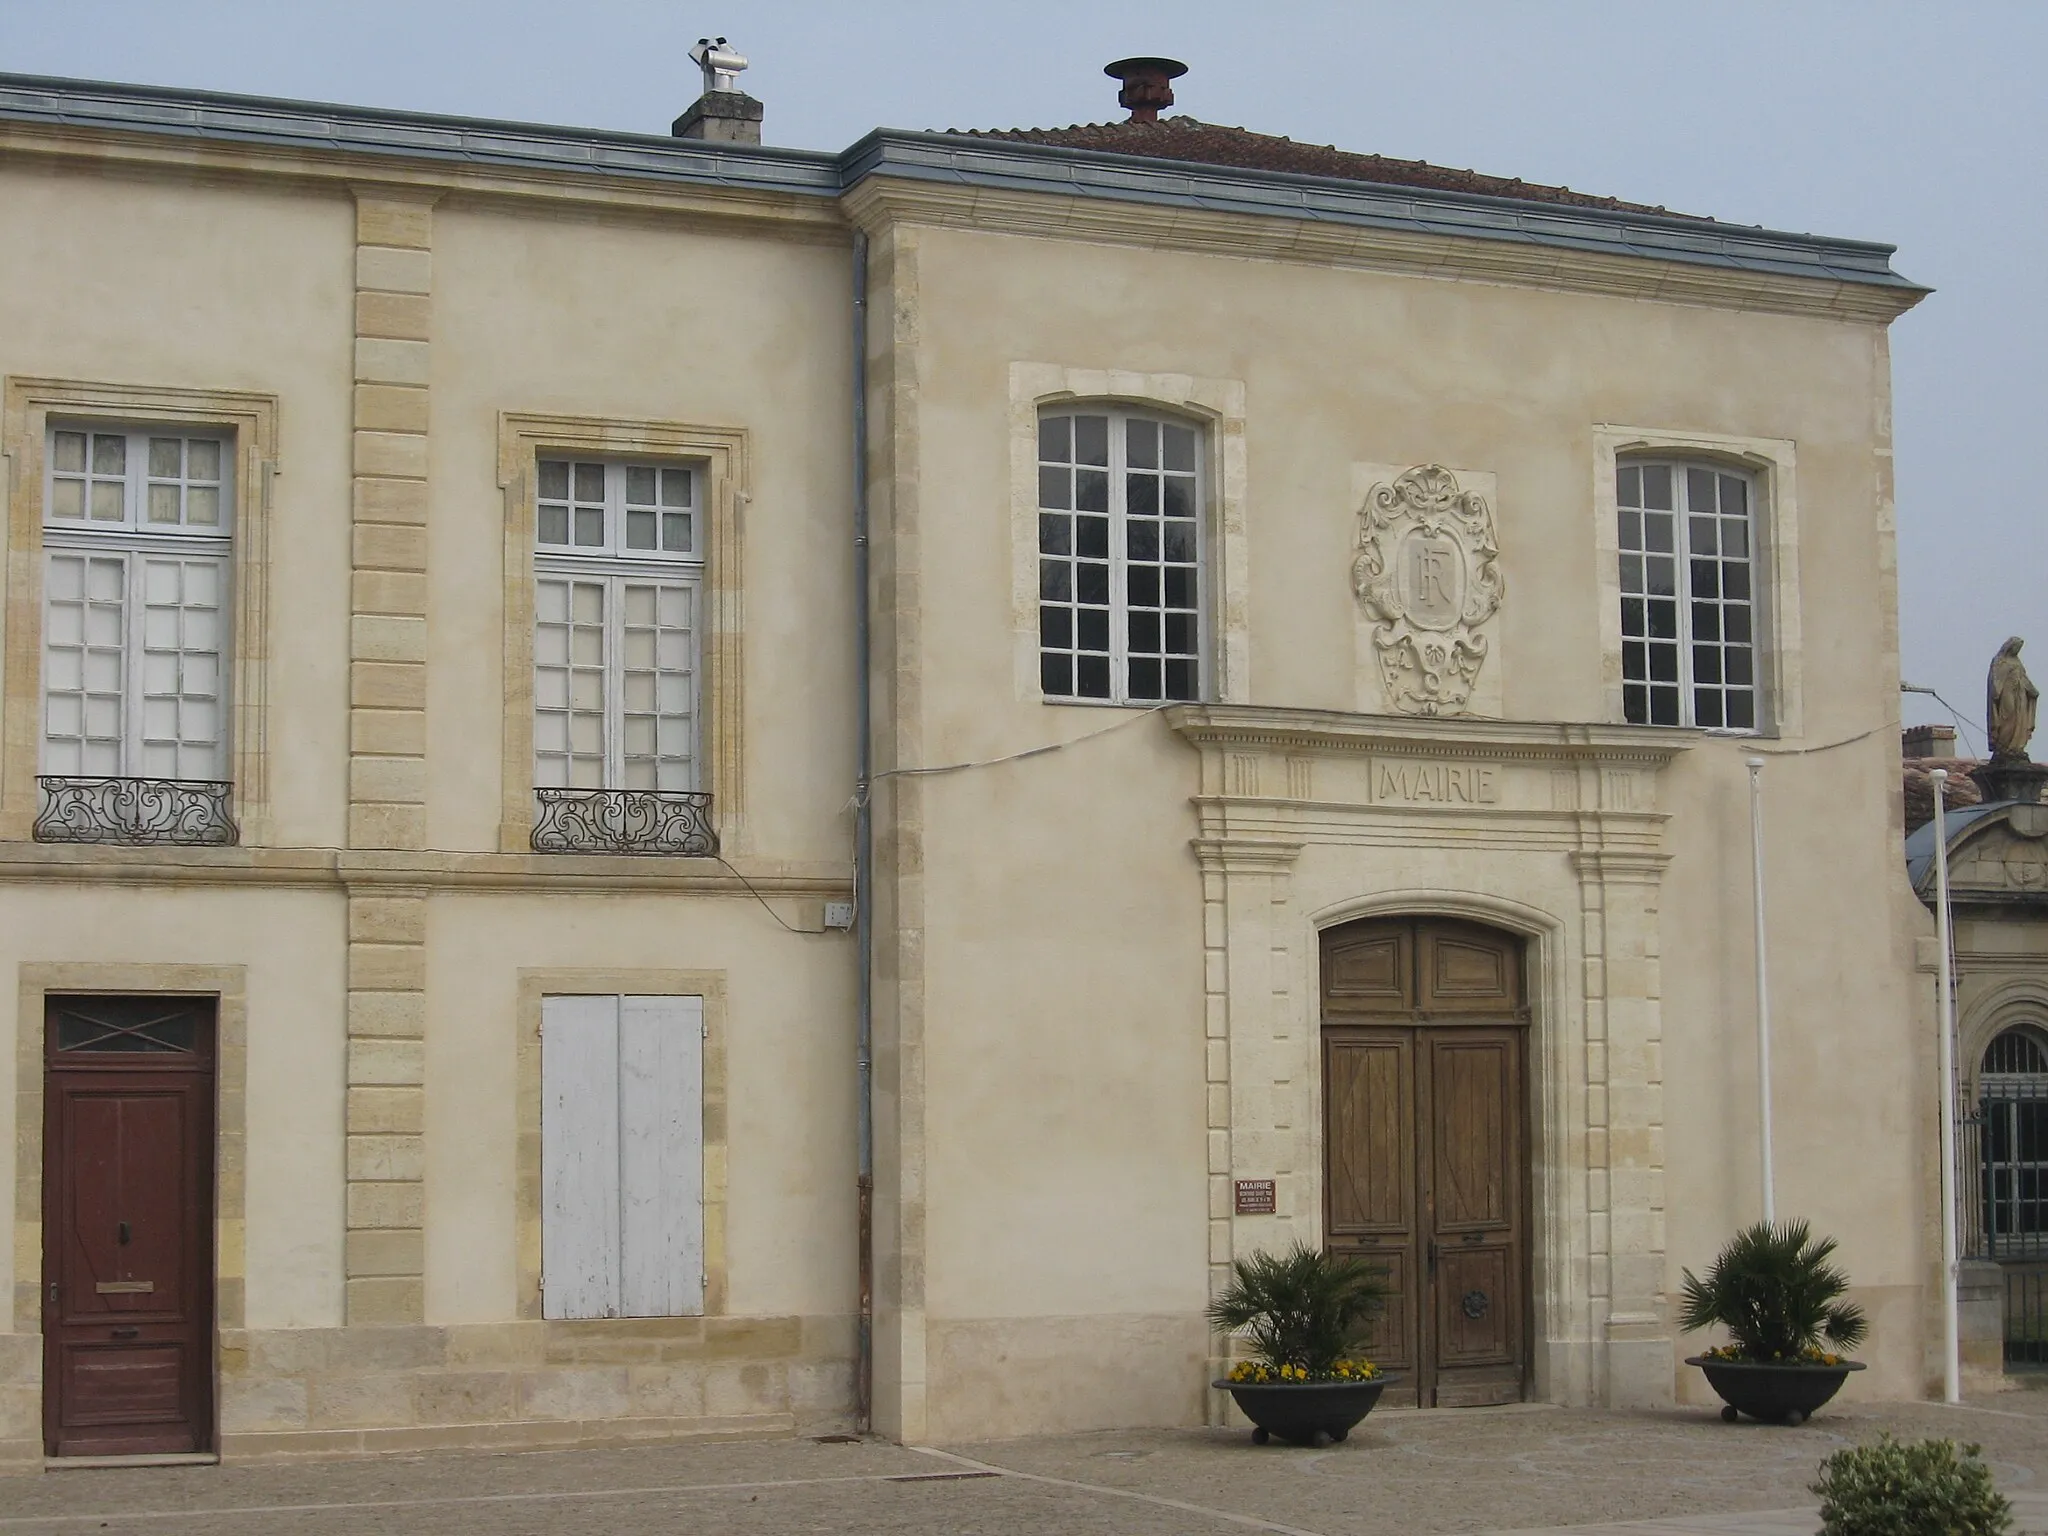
1427,573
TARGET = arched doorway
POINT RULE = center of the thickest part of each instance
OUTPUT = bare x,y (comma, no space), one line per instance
1425,1146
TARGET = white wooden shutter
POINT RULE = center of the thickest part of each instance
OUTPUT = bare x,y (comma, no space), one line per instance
622,1156
579,1156
661,1156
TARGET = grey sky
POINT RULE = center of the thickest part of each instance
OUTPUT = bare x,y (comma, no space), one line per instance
1921,125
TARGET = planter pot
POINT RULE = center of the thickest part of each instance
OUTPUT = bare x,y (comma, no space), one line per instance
1305,1412
1776,1394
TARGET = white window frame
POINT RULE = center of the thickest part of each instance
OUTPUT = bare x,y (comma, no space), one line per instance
1120,417
1684,554
615,566
134,539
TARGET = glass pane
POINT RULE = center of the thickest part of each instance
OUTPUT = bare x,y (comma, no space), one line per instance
1742,711
1094,630
1091,677
1181,680
202,506
1657,486
554,479
67,498
165,457
69,454
640,530
1699,490
590,482
1056,675
675,532
202,459
126,1024
107,501
1141,539
1628,491
1091,440
1659,535
109,454
589,527
1179,443
1144,678
163,503
675,487
554,525
1180,497
1142,495
1056,627
1055,534
1092,537
1734,496
1055,582
1055,489
1091,582
1055,438
640,485
1141,444
1091,490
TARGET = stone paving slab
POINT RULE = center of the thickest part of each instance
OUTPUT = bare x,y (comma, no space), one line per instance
1404,1473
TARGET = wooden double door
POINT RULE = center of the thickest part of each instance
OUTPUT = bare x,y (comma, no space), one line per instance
1424,1032
128,1136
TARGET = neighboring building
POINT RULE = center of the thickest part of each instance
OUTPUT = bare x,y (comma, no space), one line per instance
1998,896
1405,561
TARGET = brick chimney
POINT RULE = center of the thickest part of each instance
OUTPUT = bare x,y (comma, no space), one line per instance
1148,85
1928,741
724,114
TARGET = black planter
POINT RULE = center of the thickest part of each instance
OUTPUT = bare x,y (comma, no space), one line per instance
1305,1412
1777,1394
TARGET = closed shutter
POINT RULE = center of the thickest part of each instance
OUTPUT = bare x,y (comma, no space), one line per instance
622,1161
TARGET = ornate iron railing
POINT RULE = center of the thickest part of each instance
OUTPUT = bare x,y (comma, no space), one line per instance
624,821
137,812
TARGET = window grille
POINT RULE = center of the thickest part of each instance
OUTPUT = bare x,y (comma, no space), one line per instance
1121,545
1688,600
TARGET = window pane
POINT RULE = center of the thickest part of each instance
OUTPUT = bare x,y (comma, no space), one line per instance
163,503
1091,440
68,456
202,506
640,530
1144,678
1056,675
590,482
1055,581
1706,707
1628,489
1699,490
166,457
1056,439
1659,535
1091,677
1181,681
1734,496
675,533
1094,630
1180,496
1091,537
109,454
1091,490
1141,494
1141,539
67,499
1091,582
590,527
1141,444
675,487
1657,486
202,459
1179,443
1055,488
554,524
1741,711
1056,627
107,501
554,479
1055,535
639,485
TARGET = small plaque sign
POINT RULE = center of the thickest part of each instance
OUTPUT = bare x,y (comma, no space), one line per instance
1256,1197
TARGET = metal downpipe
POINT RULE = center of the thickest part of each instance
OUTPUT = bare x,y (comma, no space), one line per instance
863,855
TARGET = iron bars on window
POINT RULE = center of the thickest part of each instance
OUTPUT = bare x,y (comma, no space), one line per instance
136,812
674,822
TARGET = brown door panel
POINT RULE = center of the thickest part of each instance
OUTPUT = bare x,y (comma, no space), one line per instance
1475,1307
128,1226
1464,968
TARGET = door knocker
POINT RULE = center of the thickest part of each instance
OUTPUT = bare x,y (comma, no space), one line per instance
1475,1304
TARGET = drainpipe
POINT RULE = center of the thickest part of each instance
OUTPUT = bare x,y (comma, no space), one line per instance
1763,989
1945,1011
863,855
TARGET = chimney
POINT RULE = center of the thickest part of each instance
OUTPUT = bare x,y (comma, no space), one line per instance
1929,741
724,114
1147,85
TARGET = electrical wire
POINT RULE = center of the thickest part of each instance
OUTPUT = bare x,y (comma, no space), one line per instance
1962,726
743,880
1016,757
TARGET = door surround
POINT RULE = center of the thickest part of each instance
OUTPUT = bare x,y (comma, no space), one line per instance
227,985
1309,818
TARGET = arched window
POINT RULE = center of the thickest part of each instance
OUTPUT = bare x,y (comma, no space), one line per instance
1120,546
1688,594
2013,1114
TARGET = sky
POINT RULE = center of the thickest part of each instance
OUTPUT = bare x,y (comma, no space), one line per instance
1920,125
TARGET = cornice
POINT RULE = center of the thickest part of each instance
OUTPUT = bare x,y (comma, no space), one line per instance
326,869
1251,726
962,181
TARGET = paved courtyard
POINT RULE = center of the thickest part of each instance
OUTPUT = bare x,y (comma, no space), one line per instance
1473,1470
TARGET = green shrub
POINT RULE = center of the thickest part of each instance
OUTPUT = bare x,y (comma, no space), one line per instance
1922,1489
1774,1290
1304,1309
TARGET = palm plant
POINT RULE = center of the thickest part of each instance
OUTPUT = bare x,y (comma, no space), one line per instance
1773,1288
1305,1308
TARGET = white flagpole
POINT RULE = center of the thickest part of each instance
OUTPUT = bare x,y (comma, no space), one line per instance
1763,987
1951,1330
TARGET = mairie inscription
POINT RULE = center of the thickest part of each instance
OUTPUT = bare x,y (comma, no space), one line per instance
1408,782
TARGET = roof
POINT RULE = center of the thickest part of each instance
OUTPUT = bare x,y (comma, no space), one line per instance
1446,208
1193,141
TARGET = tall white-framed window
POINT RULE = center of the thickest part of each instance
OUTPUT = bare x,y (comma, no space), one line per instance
1689,594
618,587
1121,548
137,548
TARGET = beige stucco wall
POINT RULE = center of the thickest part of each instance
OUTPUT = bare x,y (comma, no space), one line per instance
1089,1201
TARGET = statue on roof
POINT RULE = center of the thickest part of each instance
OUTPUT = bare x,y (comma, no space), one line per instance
2010,698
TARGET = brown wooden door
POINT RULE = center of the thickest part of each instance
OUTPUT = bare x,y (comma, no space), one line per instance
1425,1147
128,1225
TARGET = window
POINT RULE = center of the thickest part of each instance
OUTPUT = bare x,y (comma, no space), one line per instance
619,567
1120,558
622,1156
137,542
2012,1115
1688,600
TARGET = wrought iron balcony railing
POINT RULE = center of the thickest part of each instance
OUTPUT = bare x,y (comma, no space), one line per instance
136,812
624,821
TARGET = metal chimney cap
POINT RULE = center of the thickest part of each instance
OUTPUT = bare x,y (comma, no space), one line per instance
721,64
1146,88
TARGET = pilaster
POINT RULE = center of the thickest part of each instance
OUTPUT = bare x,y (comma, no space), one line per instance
387,780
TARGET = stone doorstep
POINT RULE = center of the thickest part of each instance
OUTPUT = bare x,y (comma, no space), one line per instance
551,1434
153,1459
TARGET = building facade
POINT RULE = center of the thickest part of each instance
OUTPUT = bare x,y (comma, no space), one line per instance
1317,623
